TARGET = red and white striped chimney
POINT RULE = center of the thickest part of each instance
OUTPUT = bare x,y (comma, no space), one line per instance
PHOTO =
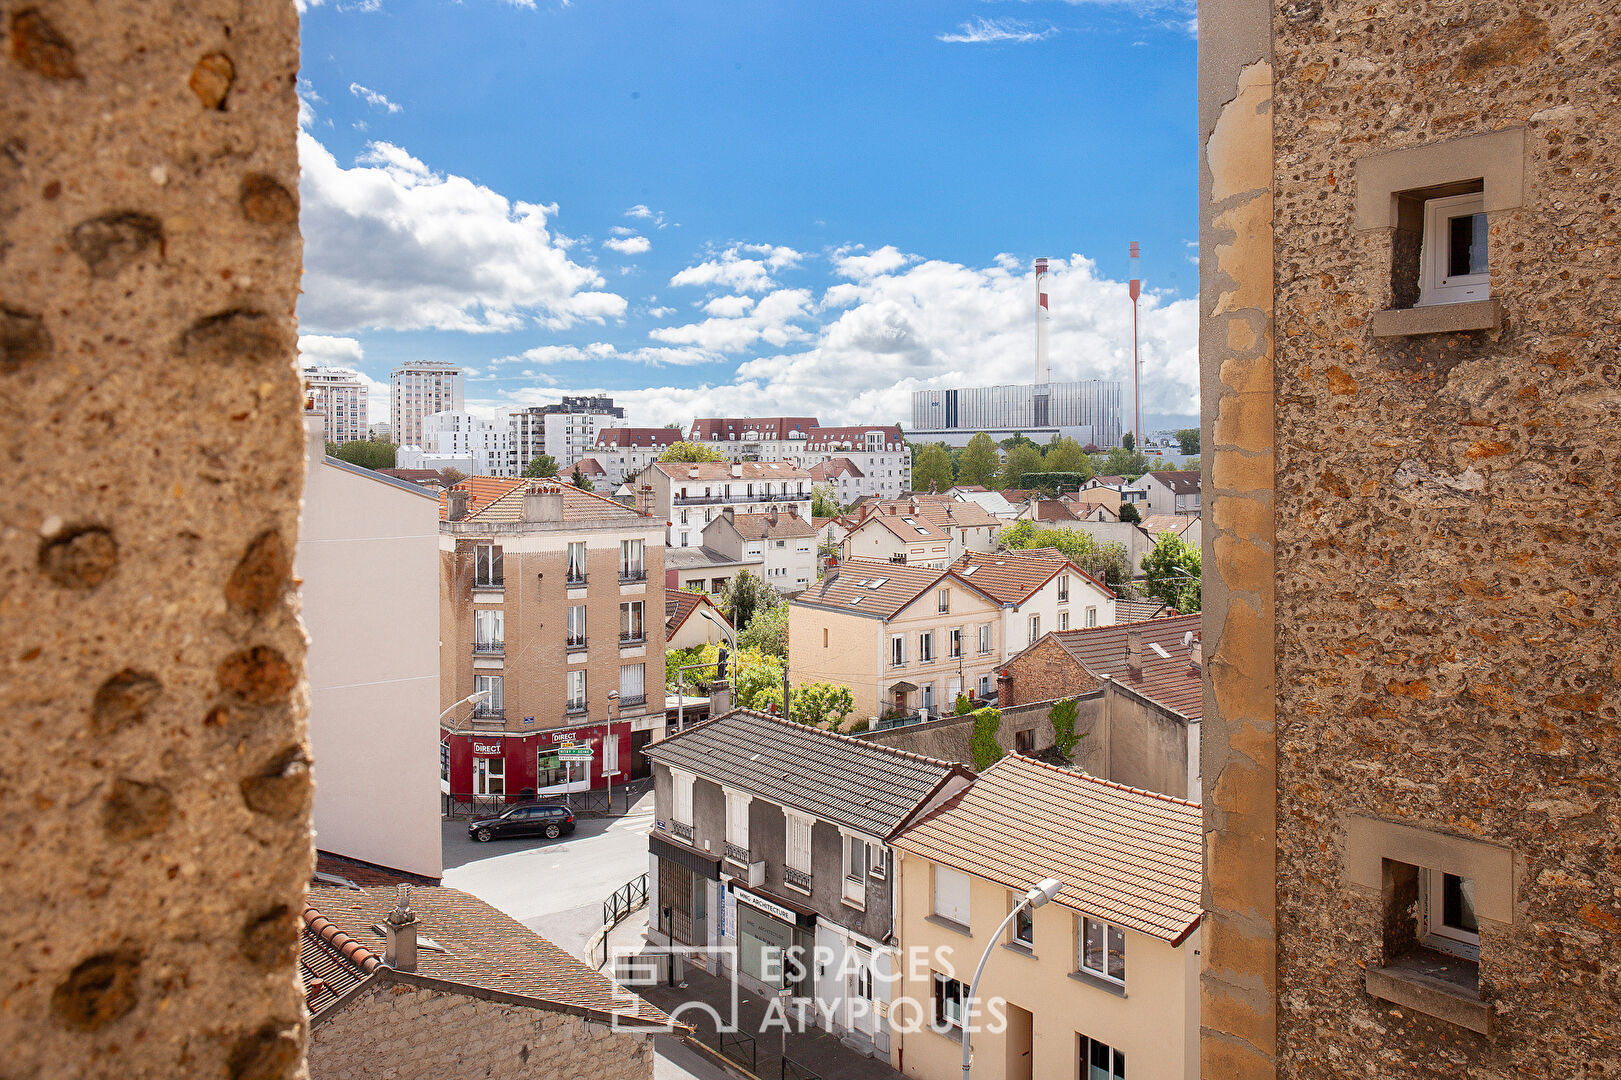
1043,316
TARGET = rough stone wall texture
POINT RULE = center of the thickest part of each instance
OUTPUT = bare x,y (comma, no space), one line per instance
1446,524
153,757
405,1032
1043,672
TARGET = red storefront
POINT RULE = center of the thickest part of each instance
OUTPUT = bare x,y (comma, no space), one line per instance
513,766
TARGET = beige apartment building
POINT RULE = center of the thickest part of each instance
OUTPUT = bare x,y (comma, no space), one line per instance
920,530
552,603
902,638
1104,975
689,495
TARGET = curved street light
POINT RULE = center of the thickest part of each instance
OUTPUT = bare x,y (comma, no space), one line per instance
1038,894
477,696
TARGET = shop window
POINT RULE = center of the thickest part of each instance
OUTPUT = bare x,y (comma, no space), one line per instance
489,776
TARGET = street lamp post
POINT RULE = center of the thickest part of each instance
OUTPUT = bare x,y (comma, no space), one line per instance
477,695
1039,894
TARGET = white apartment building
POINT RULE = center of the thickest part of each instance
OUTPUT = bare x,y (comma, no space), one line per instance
868,460
691,495
462,441
418,391
623,452
339,395
567,430
784,542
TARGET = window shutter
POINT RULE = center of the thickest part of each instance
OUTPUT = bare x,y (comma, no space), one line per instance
951,895
799,843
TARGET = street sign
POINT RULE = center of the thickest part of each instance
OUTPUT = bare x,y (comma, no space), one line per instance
574,752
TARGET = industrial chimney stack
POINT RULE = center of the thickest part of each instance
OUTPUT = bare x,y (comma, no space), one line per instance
1043,316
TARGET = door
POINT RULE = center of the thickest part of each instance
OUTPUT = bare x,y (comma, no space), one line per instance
1020,1031
858,990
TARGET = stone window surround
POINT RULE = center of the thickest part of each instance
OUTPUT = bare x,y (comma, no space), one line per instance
1370,844
1496,158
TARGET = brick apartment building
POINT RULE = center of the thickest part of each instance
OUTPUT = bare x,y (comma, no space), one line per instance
552,602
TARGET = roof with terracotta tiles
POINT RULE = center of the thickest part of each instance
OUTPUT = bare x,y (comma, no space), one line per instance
471,943
590,466
1154,524
852,438
711,471
679,605
1012,577
763,527
1179,481
500,499
834,467
1126,611
638,437
1130,857
871,587
1050,510
1168,675
751,427
941,511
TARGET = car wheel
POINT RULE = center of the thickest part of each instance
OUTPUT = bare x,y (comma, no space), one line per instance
483,836
553,832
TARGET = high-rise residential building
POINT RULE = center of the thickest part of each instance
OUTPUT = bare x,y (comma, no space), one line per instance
461,441
339,395
566,429
1087,411
419,390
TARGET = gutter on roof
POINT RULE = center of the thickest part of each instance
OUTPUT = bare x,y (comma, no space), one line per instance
1177,941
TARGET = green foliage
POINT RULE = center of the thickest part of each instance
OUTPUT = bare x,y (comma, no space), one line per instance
1129,512
1106,562
1063,718
818,704
757,680
1066,456
1128,441
367,453
962,706
931,468
745,596
1173,573
825,550
541,467
979,462
691,452
824,502
767,631
1054,483
1022,458
1121,462
987,751
1018,438
1192,463
581,481
451,477
1187,439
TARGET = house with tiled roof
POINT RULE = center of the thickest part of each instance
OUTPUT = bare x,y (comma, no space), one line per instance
434,982
1085,509
772,839
706,569
1141,698
1169,492
1111,491
687,496
879,461
685,627
905,639
783,542
842,477
1040,590
623,452
1045,511
920,530
1105,974
552,611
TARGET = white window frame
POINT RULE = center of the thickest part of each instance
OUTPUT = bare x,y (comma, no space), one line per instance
497,688
484,773
985,643
1091,616
1117,1058
925,647
1024,936
632,557
488,565
946,993
681,797
984,685
1434,931
576,688
954,642
486,620
944,598
800,836
632,682
897,650
737,820
1063,620
577,625
1087,926
877,861
1035,628
576,566
1063,587
1435,287
854,859
956,884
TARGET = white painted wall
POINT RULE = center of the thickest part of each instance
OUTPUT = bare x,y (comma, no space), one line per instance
368,555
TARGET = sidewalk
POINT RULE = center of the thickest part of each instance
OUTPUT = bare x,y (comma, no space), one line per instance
816,1053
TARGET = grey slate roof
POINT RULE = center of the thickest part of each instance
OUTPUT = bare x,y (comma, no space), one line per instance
863,786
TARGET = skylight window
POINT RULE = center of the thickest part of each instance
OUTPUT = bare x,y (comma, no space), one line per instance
1160,649
969,571
854,600
862,583
877,583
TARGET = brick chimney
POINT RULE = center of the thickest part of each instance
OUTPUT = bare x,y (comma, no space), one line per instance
1134,652
771,516
644,500
457,498
737,471
543,503
400,933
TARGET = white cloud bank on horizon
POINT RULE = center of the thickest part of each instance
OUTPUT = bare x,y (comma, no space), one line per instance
390,244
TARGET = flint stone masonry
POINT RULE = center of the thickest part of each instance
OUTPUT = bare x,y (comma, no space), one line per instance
1444,514
151,410
405,1032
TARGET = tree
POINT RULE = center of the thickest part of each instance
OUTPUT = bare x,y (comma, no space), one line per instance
1128,442
1129,512
767,631
987,751
1121,462
1018,438
931,468
825,550
962,706
817,704
745,596
451,477
541,467
1187,440
1191,463
824,502
1022,458
367,453
1066,455
691,452
1172,569
1106,562
980,462
581,481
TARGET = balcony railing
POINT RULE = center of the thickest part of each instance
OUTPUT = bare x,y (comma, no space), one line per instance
682,831
574,707
632,575
699,500
489,712
574,580
737,853
632,637
799,879
634,699
489,648
576,642
478,584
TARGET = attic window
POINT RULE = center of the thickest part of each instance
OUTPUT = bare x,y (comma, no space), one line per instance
969,571
1160,649
877,582
854,600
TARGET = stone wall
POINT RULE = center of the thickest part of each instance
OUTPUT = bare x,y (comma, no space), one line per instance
407,1032
1043,672
150,654
1445,520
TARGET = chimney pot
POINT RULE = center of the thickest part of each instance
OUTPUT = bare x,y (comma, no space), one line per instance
458,499
400,933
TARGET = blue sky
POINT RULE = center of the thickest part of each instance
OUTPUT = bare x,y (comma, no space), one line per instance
719,207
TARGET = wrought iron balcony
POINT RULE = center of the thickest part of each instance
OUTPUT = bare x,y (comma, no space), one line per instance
489,648
486,711
635,699
799,879
631,576
576,642
632,637
682,831
575,707
574,579
737,854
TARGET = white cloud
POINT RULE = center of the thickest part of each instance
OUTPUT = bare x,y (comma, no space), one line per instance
656,217
729,307
730,270
886,260
391,244
628,245
661,312
597,352
372,97
771,321
992,31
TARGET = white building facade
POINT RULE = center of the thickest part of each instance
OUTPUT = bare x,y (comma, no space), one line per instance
339,395
567,430
419,390
462,441
691,495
